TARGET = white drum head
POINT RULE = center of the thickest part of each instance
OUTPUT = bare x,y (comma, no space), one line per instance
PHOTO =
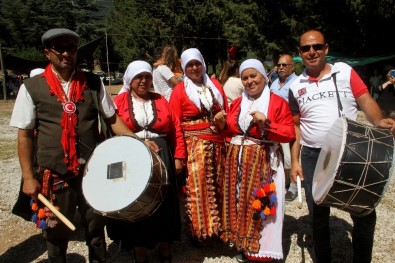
116,174
329,160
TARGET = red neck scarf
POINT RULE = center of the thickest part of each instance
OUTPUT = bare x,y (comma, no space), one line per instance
69,117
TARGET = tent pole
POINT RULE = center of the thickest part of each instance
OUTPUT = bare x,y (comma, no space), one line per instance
3,73
108,66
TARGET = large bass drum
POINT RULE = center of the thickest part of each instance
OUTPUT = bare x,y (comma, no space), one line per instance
354,167
124,179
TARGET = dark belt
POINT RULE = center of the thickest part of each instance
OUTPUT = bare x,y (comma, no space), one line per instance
311,148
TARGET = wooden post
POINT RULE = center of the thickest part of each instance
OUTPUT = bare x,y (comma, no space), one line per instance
108,67
3,73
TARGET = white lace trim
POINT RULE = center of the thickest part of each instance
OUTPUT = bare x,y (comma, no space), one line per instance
143,114
249,105
267,254
205,96
191,90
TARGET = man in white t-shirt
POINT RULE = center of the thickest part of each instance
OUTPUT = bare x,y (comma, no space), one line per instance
314,101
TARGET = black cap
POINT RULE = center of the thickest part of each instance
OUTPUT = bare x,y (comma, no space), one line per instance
58,32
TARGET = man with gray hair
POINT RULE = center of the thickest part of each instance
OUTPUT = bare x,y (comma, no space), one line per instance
280,86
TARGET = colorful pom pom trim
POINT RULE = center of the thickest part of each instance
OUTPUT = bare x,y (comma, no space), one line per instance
42,217
265,201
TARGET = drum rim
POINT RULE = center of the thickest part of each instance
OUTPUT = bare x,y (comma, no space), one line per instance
344,126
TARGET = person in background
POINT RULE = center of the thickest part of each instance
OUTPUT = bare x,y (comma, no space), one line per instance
374,82
315,109
254,185
195,101
389,82
273,75
149,116
280,86
164,74
229,78
178,71
59,105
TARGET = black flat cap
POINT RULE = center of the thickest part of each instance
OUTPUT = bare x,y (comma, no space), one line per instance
58,32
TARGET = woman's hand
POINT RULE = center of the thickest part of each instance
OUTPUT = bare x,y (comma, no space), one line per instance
391,81
258,117
152,145
179,165
220,119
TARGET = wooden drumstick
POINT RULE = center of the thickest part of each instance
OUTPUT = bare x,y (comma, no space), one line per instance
299,184
56,212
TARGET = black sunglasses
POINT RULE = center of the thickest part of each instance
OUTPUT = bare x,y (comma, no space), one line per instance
62,49
283,64
316,47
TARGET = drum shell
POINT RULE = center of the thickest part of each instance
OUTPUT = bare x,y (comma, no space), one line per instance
137,188
354,167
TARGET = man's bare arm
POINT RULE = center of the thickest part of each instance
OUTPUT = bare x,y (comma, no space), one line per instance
296,168
25,152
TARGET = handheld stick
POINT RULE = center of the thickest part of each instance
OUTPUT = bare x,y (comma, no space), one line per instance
56,212
299,184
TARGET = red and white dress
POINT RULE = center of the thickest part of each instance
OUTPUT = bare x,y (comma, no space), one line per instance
254,160
195,107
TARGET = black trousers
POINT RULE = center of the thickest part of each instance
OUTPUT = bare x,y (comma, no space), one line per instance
69,199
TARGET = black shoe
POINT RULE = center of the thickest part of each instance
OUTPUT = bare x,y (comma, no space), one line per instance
289,196
241,258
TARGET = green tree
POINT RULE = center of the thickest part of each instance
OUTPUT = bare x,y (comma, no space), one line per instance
139,27
136,28
23,29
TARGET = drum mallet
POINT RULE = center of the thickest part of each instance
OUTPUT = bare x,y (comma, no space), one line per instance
299,184
56,212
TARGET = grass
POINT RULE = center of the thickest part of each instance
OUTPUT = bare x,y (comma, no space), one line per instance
8,149
6,107
8,142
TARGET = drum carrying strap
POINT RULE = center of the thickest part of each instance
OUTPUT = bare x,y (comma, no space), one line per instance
339,103
105,131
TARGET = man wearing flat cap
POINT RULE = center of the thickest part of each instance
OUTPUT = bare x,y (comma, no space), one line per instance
58,110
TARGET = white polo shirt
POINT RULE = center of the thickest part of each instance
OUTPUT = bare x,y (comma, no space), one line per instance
316,101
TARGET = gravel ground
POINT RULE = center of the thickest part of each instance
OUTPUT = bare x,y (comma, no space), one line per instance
22,242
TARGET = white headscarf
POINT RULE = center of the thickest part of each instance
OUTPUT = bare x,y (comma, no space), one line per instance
36,71
133,69
190,87
248,104
256,64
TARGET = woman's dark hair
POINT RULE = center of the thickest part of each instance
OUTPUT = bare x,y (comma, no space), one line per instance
387,69
230,69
